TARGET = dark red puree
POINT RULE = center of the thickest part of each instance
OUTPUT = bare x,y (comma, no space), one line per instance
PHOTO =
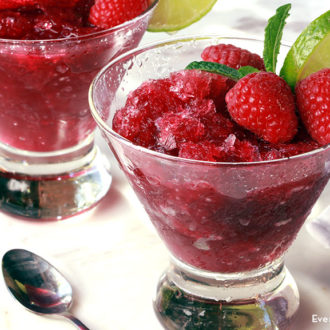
44,82
218,217
43,19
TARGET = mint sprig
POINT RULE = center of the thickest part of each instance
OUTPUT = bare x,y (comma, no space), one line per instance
245,70
221,69
214,67
273,36
272,43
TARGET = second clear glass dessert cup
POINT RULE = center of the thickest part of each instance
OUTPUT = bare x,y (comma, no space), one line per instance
50,167
227,226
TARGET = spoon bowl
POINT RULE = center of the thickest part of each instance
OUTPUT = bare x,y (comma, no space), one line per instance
38,285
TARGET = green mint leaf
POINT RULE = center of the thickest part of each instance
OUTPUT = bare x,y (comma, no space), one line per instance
245,70
222,69
213,67
273,36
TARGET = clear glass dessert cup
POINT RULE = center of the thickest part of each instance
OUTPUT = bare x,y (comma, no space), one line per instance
50,167
227,225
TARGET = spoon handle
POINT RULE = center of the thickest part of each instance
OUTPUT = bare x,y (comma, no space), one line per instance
74,320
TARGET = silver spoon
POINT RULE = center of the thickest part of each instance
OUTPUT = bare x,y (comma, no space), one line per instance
37,285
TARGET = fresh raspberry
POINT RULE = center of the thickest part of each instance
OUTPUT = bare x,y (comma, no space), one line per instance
109,13
232,56
264,104
313,101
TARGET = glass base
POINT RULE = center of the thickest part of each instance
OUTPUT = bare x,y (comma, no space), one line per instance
189,298
52,185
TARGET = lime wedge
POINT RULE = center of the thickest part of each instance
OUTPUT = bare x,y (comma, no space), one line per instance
310,52
173,15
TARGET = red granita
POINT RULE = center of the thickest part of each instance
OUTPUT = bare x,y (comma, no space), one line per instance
181,115
203,150
190,85
47,64
177,128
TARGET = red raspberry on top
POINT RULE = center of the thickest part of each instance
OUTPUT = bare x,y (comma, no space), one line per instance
108,13
313,101
264,104
232,56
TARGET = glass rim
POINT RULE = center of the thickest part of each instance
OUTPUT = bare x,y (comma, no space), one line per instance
153,45
91,35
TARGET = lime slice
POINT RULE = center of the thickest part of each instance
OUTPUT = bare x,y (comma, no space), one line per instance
173,15
310,52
